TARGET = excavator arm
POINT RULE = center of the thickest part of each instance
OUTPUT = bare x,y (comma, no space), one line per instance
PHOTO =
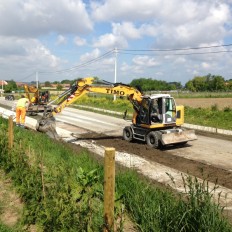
85,86
31,89
81,87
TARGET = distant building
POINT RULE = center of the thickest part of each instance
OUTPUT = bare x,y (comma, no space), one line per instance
3,83
54,86
20,84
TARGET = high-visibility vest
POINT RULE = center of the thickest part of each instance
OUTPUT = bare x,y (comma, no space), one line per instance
22,102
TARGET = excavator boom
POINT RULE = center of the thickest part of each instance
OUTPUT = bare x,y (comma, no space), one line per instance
81,87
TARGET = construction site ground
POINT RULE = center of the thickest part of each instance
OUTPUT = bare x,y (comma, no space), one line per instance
193,167
210,157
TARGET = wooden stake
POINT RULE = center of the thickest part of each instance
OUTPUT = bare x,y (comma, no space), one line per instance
42,176
109,189
10,132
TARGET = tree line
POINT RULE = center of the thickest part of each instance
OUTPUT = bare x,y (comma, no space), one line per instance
211,83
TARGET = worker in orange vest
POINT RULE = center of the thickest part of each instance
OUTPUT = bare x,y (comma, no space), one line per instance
21,109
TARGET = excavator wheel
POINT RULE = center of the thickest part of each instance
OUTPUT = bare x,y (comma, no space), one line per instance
127,134
153,140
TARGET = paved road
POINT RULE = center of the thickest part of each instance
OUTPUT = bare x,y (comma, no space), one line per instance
91,121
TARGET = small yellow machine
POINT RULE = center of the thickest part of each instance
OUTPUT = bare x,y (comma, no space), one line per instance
38,99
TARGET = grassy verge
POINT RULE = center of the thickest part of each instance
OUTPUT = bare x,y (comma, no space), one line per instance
209,117
4,228
62,189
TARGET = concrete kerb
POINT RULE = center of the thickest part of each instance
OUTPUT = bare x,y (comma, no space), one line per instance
208,129
31,122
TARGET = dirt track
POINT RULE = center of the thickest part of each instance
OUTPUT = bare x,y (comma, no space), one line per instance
192,167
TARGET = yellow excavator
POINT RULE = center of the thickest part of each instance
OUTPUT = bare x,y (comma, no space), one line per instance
157,120
38,99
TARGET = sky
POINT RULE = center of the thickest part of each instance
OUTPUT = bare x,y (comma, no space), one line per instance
117,41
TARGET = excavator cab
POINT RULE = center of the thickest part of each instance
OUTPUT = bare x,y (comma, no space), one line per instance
160,108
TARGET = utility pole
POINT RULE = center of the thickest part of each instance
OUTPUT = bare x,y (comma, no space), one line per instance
115,68
2,89
37,80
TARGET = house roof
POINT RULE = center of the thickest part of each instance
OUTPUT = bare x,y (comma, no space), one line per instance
2,82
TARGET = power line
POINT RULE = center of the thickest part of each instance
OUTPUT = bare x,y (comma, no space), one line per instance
80,65
173,54
26,77
174,49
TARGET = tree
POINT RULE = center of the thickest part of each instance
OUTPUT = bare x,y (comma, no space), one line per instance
10,87
189,86
148,84
47,84
217,83
175,85
66,82
206,83
200,83
59,87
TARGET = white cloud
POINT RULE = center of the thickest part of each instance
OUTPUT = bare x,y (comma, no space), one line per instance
32,17
125,67
61,40
138,65
25,55
145,61
128,10
89,28
90,55
205,65
173,23
79,41
126,29
110,41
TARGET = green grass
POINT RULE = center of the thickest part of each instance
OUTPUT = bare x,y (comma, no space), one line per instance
209,117
155,209
63,191
4,228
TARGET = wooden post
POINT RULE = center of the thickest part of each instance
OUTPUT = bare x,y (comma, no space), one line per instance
109,189
10,132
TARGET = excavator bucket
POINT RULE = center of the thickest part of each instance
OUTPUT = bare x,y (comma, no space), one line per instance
47,124
176,137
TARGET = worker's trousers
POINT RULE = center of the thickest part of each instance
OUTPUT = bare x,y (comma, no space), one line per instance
20,115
